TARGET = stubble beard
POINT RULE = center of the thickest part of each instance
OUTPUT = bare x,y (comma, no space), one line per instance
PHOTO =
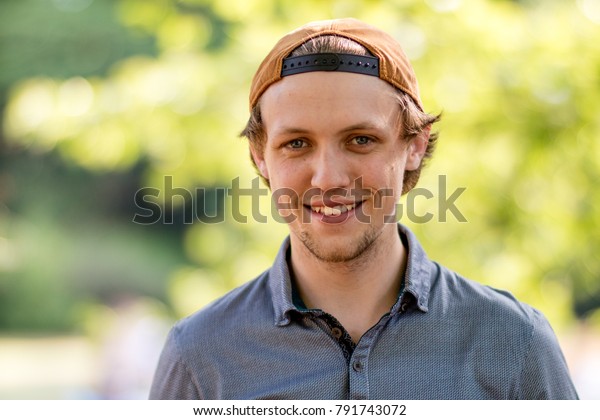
352,253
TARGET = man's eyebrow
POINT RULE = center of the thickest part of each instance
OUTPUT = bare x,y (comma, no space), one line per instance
353,127
292,130
360,126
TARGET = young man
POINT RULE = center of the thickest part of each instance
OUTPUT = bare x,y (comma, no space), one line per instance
352,308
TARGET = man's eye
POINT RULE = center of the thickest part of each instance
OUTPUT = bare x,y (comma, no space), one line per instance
296,144
361,140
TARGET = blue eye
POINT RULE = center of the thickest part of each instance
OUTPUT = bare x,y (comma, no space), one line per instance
296,144
361,140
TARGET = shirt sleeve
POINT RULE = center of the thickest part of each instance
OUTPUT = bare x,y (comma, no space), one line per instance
545,375
172,379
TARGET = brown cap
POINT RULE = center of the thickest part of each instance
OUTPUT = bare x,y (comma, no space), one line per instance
394,66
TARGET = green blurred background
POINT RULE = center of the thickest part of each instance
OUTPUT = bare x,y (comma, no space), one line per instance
100,98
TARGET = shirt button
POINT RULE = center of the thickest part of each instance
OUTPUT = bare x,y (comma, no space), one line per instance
336,332
357,366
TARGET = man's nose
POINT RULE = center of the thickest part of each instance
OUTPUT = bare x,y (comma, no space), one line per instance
331,169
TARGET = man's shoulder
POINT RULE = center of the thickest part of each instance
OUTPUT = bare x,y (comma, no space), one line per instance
454,292
506,338
248,303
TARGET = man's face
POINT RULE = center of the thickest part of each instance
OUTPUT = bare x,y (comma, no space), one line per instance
335,157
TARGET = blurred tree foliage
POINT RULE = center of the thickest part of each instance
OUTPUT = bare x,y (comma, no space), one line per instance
517,82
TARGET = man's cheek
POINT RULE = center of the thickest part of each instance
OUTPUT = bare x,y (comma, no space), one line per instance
286,205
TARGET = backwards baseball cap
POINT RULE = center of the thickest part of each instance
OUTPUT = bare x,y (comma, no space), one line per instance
389,62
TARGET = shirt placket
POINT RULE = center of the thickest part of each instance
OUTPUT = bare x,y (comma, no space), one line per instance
358,371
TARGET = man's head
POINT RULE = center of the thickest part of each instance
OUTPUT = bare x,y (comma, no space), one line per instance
381,55
338,132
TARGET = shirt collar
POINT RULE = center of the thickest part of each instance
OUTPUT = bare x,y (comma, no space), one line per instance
417,279
280,283
418,269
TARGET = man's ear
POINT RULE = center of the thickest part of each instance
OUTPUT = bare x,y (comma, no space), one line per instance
259,161
417,148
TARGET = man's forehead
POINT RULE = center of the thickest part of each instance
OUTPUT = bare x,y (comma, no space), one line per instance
331,102
318,87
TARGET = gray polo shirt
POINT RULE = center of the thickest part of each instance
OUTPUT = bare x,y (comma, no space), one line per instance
445,338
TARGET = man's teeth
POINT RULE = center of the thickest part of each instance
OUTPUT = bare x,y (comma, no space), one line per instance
333,211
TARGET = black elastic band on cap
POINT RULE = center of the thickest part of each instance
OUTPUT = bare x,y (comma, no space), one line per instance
331,62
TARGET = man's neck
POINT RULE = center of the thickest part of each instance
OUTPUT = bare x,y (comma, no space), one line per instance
357,293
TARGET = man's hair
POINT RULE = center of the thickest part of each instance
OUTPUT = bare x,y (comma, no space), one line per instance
412,120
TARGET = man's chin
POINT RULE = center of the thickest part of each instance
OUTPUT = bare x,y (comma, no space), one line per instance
338,251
